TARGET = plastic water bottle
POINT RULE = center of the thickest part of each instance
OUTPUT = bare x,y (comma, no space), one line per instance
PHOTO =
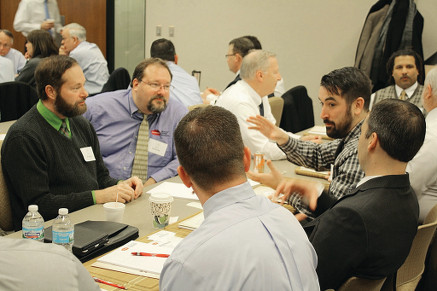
63,230
33,224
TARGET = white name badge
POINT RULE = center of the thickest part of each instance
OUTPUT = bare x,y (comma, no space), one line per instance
88,154
157,147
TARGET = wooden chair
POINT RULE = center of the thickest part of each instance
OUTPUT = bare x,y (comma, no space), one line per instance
5,205
16,98
410,273
277,106
361,284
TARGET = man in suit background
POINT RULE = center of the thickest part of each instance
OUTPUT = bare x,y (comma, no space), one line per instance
238,48
406,70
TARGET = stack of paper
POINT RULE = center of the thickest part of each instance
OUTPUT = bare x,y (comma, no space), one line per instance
123,257
193,222
174,189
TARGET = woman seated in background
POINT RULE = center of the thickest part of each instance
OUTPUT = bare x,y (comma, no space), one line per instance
39,45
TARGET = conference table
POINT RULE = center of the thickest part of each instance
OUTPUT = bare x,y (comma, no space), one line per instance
137,213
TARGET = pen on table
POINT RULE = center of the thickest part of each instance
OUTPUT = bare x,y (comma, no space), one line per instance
150,255
109,283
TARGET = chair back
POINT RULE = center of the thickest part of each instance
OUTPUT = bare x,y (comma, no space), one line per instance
410,273
298,111
16,98
361,284
118,80
5,205
277,106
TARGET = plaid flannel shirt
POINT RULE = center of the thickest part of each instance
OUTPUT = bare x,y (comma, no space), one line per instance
346,172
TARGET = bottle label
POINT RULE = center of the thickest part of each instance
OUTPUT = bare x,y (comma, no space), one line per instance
63,237
33,233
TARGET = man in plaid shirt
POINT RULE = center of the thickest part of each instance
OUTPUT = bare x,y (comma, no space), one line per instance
345,97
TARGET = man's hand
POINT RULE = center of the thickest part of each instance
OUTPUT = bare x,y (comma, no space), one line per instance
271,179
127,190
149,181
47,24
135,183
306,189
62,51
268,129
208,91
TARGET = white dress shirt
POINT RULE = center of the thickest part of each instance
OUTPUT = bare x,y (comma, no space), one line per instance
246,242
423,168
17,59
31,13
31,265
244,102
184,87
6,70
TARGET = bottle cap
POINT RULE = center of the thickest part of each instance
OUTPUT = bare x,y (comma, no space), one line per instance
32,208
63,211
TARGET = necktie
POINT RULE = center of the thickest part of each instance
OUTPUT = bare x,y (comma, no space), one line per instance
140,164
64,129
339,148
261,109
403,95
46,8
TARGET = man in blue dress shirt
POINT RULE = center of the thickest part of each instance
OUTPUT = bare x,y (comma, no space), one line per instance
246,242
117,116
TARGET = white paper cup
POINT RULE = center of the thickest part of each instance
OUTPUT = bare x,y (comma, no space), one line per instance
114,211
160,207
51,20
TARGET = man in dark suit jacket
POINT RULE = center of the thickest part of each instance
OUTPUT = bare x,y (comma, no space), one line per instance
237,50
368,232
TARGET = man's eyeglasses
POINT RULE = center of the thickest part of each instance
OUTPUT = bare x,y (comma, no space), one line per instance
156,86
229,55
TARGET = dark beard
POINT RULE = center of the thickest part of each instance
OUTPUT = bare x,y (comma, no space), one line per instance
68,110
155,109
343,129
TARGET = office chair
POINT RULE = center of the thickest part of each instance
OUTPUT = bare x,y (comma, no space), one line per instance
410,273
118,80
298,111
16,98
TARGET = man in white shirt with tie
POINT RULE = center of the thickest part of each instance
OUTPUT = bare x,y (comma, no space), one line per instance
248,97
38,14
405,66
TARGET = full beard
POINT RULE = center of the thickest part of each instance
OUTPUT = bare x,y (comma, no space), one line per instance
68,110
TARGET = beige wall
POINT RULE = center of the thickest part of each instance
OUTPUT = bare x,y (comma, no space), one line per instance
310,37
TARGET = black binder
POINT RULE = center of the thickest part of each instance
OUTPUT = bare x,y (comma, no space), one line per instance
93,238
